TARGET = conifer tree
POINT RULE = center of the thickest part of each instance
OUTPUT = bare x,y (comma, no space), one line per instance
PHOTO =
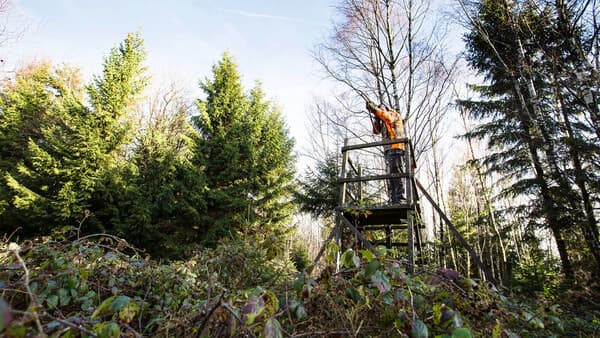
319,189
33,108
247,155
113,93
511,117
530,119
162,189
71,151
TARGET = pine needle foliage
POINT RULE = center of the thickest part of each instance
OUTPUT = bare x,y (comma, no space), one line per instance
247,154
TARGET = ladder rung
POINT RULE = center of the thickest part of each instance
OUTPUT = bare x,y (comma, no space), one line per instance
392,244
384,227
371,178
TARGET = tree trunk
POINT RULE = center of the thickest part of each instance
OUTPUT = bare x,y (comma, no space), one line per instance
562,252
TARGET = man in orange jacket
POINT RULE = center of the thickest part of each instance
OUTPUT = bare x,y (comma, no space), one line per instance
394,154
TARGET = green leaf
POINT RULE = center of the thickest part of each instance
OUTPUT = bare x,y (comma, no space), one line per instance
273,329
108,330
253,308
70,334
63,295
419,330
119,302
457,320
388,298
52,301
53,325
354,295
128,312
537,323
103,307
356,261
381,281
299,283
72,283
16,331
348,259
298,309
367,254
497,331
372,267
556,321
461,332
437,314
111,305
381,251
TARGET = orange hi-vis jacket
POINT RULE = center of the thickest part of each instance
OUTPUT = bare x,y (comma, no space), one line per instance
393,123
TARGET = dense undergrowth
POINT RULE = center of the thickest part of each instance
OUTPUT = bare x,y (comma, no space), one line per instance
100,286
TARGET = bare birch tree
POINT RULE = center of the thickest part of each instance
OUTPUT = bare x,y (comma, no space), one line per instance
391,51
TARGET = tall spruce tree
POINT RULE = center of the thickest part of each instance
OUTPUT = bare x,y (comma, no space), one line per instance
568,48
30,105
510,115
247,155
526,119
72,148
162,186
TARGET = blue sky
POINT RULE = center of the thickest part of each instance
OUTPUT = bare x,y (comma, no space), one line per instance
270,40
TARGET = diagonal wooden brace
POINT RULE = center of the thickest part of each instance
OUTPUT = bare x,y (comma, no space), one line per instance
457,234
357,233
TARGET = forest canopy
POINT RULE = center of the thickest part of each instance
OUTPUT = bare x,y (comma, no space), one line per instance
163,176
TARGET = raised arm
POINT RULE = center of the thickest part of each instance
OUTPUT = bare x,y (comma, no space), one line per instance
383,114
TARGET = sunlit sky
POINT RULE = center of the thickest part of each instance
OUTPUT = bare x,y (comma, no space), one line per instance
270,40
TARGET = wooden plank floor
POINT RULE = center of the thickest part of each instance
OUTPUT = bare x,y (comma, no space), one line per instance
377,215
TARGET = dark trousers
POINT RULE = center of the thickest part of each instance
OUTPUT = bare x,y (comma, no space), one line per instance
395,165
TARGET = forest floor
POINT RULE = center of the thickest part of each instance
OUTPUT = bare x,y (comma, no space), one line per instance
99,286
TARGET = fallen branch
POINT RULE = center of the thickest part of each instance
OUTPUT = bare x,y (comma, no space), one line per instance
323,333
209,314
14,248
78,327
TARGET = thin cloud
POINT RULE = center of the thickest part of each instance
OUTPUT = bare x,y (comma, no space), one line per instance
271,17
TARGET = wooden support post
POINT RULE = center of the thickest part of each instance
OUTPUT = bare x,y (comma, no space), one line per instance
338,240
388,235
409,178
411,244
419,243
342,203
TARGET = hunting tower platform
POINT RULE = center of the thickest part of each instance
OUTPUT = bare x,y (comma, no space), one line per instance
365,216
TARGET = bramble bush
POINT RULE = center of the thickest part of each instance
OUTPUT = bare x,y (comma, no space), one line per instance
99,286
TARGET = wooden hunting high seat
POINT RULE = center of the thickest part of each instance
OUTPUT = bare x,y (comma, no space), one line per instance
365,217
